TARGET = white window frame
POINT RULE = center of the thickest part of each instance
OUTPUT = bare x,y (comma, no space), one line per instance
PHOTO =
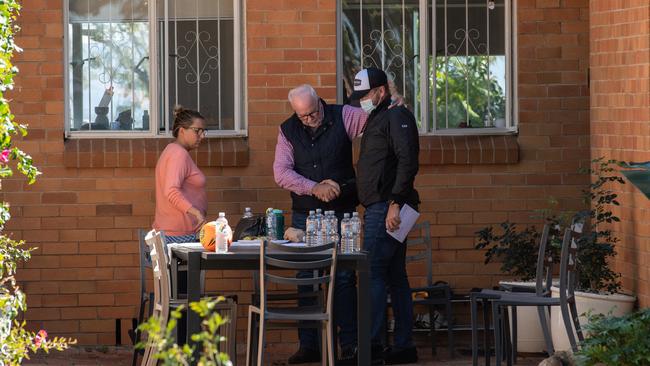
241,105
512,105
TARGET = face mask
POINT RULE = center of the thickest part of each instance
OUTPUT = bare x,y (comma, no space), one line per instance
367,105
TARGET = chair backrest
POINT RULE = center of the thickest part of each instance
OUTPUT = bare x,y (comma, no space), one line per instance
544,273
423,242
569,259
270,258
145,259
161,288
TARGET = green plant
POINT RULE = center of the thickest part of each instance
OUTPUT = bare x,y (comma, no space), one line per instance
596,248
171,354
15,341
516,249
616,340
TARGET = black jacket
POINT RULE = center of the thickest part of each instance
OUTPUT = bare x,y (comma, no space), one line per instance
323,154
388,160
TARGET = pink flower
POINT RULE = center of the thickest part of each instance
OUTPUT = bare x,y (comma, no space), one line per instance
40,337
4,156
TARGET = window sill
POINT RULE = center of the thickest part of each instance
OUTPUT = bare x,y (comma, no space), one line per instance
143,153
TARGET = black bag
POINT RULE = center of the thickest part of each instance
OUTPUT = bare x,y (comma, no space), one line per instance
250,226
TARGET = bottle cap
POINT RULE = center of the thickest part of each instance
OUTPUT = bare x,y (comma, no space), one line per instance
277,211
346,215
222,214
311,212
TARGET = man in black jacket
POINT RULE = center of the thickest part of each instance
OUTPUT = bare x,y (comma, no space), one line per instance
386,170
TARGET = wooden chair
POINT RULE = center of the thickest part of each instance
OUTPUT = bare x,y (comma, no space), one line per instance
270,258
161,287
165,302
146,295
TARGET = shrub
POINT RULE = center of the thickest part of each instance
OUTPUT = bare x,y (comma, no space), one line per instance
616,340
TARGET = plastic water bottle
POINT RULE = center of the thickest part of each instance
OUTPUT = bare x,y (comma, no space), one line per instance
222,232
346,234
334,228
247,213
319,225
326,228
355,223
270,224
310,229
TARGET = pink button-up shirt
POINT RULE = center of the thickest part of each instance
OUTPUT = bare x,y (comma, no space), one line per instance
286,177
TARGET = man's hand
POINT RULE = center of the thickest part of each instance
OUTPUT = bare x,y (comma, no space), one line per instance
392,217
333,184
198,216
294,235
396,101
325,192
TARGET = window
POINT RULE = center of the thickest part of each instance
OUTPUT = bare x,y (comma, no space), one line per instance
464,85
125,71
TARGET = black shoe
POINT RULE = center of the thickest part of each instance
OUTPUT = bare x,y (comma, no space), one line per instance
304,355
403,356
351,357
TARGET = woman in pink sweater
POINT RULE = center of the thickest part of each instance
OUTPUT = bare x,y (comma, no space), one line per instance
181,201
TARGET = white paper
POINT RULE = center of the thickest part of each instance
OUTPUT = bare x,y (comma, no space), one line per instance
408,217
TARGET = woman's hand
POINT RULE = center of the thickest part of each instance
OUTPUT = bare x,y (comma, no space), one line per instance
198,215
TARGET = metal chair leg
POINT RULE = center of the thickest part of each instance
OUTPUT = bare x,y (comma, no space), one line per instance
541,312
474,316
513,339
450,328
486,329
496,321
576,321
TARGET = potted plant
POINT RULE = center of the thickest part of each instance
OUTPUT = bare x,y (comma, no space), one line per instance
598,285
517,249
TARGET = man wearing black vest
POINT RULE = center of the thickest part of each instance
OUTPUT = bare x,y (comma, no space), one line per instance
313,160
387,166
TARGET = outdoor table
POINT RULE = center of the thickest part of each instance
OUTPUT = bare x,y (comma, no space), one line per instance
195,260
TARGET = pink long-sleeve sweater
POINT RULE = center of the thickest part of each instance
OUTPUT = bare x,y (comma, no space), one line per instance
179,186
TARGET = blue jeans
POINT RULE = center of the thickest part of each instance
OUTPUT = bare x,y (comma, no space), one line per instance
387,273
345,300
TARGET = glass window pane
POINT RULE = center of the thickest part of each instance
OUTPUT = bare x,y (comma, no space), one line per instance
201,59
470,82
108,44
382,34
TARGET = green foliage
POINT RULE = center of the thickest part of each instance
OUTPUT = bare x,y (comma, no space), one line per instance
517,249
171,354
616,340
463,90
596,247
15,341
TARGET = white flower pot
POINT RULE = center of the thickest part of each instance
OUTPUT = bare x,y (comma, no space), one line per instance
530,338
617,304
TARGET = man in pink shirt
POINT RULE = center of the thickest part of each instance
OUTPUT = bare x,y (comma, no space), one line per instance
313,160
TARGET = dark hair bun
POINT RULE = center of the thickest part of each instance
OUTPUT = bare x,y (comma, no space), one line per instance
178,110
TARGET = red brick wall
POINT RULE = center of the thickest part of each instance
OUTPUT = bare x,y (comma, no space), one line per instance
620,116
84,219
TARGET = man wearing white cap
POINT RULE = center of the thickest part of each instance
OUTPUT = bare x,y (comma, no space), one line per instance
386,170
